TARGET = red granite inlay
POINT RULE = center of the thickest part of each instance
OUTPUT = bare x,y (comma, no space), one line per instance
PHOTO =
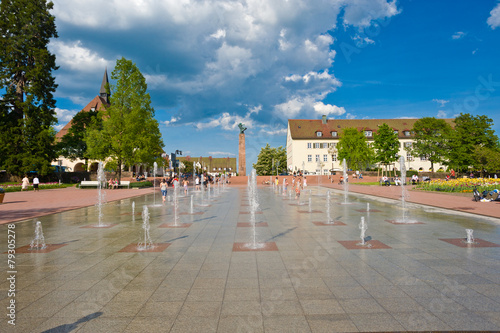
331,224
369,245
461,242
104,226
258,212
175,225
306,211
368,211
157,247
197,213
47,249
250,224
406,223
243,247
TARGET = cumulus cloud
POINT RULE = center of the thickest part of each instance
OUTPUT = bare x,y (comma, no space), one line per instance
494,19
63,117
458,35
441,114
441,102
216,57
328,109
72,55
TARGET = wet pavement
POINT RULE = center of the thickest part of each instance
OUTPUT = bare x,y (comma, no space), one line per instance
315,278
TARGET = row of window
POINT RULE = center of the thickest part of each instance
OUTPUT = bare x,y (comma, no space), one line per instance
367,133
324,145
409,158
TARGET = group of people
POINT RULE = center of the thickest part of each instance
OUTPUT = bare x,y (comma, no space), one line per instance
113,183
26,183
298,184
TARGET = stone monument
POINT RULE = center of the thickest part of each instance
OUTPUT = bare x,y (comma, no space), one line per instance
242,169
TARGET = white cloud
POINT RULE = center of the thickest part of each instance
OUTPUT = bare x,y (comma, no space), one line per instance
494,19
328,109
441,102
350,116
217,56
170,122
230,122
220,153
74,56
63,117
281,131
458,35
441,114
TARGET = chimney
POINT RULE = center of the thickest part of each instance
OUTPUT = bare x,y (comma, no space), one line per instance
323,119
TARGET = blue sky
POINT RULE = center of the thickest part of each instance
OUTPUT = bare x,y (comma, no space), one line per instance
213,64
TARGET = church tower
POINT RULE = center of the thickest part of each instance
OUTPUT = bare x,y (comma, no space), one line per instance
104,91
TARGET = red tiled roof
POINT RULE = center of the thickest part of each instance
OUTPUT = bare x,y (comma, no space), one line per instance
307,128
97,103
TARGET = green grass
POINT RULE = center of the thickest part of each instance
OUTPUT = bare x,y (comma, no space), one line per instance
15,187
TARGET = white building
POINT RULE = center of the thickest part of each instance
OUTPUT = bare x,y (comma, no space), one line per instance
311,144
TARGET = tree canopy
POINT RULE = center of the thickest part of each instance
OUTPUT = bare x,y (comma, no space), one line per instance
386,145
470,132
431,139
73,145
129,133
354,147
27,104
269,159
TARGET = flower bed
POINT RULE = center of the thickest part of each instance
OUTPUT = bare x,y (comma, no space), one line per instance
460,185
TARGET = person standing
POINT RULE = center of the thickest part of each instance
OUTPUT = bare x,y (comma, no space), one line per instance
36,182
163,189
185,183
26,183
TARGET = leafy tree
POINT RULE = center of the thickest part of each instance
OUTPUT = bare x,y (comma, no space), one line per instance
487,159
73,145
27,104
470,132
267,157
431,139
386,145
354,147
129,132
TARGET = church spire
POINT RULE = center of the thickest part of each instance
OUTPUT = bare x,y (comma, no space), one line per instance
104,91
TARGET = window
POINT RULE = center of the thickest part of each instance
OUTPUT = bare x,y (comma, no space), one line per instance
319,133
368,133
325,145
317,158
309,145
409,158
309,158
316,145
333,145
396,132
325,158
423,158
334,158
408,144
407,133
334,134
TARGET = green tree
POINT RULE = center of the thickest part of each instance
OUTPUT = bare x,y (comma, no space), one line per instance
354,147
73,145
27,104
268,159
386,145
129,133
431,139
470,132
487,159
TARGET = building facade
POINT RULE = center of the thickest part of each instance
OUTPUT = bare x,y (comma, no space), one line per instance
212,165
312,144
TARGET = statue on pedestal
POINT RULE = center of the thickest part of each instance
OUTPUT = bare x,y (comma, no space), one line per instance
242,128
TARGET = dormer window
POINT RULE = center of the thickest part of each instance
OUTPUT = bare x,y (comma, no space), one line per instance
334,134
396,132
368,134
92,109
407,133
319,133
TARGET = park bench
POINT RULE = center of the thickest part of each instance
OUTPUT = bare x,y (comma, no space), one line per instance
92,183
124,183
391,181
